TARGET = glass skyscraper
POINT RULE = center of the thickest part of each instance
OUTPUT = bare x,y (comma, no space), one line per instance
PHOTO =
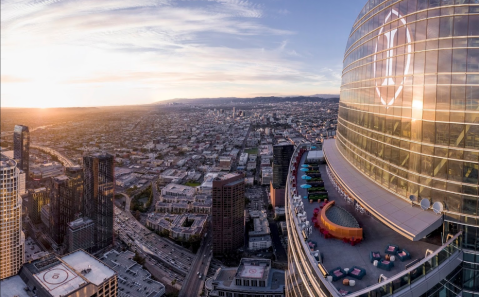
66,203
281,156
408,129
409,108
98,195
21,148
12,239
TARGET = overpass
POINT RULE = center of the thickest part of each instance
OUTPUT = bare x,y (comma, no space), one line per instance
64,160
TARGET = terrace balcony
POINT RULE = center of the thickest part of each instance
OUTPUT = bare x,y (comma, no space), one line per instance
316,255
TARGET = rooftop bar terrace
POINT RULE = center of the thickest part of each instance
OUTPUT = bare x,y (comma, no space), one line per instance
338,253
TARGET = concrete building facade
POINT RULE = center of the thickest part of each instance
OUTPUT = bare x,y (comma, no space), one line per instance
228,212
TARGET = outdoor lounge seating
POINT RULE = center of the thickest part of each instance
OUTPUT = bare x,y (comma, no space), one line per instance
312,245
356,272
386,265
403,255
391,249
374,256
337,273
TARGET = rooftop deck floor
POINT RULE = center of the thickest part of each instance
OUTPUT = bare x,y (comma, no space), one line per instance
376,237
397,213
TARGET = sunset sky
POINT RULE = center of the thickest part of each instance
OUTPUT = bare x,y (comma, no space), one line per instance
116,52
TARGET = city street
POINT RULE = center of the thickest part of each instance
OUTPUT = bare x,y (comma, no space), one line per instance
280,252
193,283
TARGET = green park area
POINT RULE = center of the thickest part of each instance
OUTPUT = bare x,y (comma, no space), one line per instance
253,151
192,183
142,201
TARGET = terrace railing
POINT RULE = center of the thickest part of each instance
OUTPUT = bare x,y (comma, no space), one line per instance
404,280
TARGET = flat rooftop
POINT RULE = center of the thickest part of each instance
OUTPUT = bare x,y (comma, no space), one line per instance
376,237
208,180
131,276
254,268
226,176
178,189
251,271
259,269
398,213
83,262
13,286
59,280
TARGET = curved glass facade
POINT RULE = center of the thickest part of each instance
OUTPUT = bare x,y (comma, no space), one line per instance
409,105
12,239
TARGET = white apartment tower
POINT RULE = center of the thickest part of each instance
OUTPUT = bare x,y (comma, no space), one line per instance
12,239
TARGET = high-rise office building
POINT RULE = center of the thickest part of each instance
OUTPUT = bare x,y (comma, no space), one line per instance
281,156
37,198
21,148
228,212
12,239
81,235
98,195
66,203
406,151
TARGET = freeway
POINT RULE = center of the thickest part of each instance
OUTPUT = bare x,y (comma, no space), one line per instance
172,260
193,283
64,160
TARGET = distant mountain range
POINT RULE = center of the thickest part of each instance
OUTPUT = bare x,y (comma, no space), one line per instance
272,99
325,96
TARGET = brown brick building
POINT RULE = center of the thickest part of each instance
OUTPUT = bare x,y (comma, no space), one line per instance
228,212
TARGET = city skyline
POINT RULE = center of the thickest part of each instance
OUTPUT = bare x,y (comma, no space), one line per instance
370,193
124,53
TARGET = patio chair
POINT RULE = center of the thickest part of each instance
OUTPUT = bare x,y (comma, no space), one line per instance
391,249
337,273
374,256
357,272
343,292
386,265
403,255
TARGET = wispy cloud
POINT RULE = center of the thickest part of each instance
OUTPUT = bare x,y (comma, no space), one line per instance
150,44
242,8
13,79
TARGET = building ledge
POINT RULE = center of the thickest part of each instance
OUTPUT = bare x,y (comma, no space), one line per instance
395,212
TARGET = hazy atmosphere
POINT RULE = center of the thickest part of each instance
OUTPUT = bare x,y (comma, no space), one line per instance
97,53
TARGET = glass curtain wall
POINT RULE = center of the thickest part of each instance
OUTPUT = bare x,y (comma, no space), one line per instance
409,108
